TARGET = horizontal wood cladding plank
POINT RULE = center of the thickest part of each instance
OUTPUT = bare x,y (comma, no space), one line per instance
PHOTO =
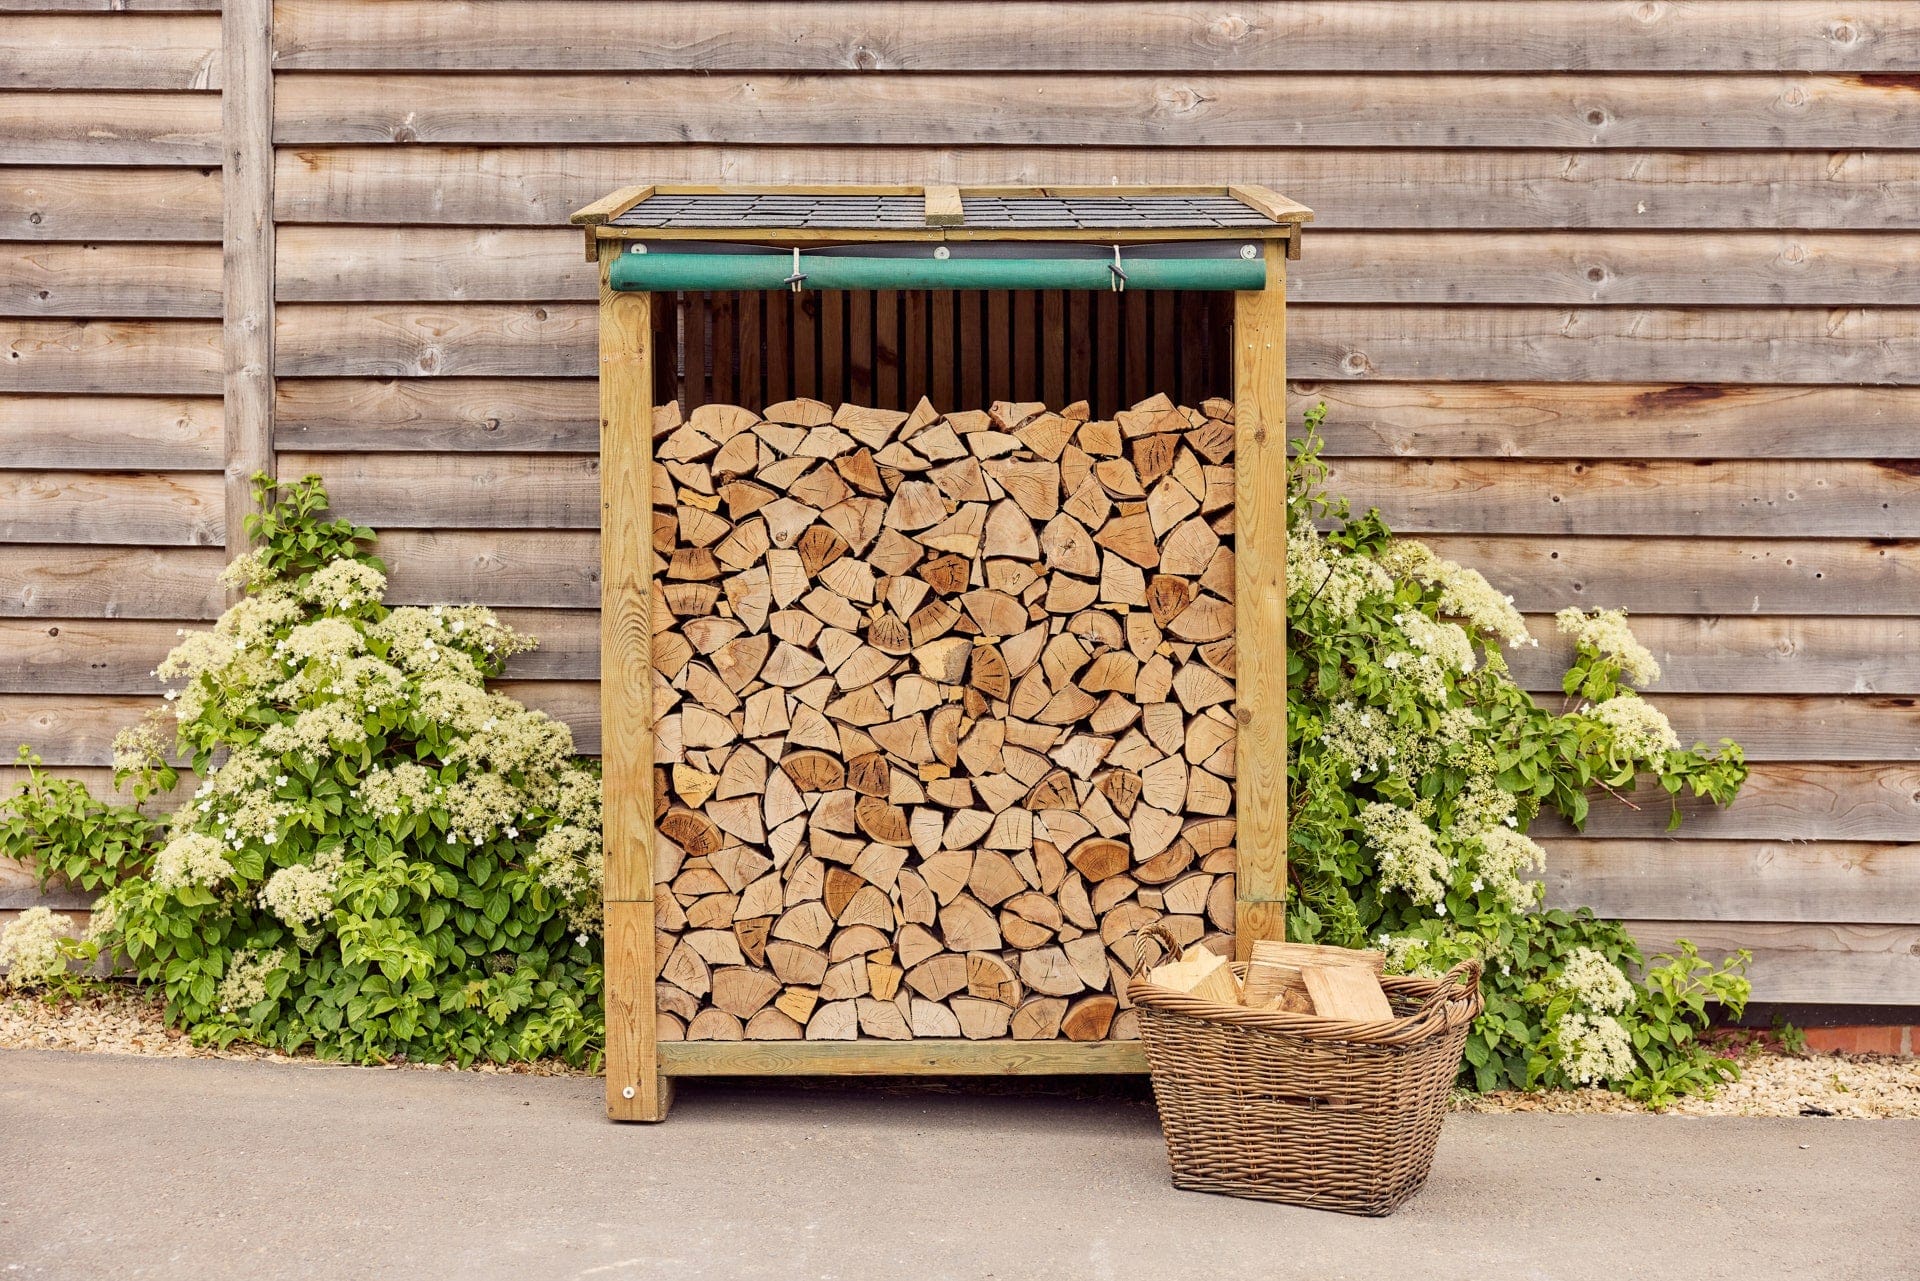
109,128
1401,420
438,414
575,702
370,264
109,279
1749,655
458,491
405,264
1359,35
160,433
1830,497
1028,109
1781,801
1839,881
99,781
70,729
166,204
154,509
118,656
535,568
1374,189
1872,727
83,655
68,581
20,889
159,357
110,51
109,6
1695,575
1422,343
1592,420
936,35
1583,268
403,341
1606,344
1802,963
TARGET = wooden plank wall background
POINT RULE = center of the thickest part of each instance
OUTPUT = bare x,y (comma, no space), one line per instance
1615,301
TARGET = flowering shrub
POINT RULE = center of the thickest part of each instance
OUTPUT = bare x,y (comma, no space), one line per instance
384,858
1416,766
35,951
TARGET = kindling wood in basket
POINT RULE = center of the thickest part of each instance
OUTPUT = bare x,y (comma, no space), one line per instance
1328,1113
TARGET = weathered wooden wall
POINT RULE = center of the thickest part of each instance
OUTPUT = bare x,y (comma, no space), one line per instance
1613,300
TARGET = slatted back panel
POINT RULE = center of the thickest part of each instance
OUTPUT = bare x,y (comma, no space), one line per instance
888,348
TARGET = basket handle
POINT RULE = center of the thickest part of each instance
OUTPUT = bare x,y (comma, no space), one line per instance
1461,979
1164,944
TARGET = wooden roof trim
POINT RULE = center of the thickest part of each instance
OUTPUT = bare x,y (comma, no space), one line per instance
943,207
1267,201
610,206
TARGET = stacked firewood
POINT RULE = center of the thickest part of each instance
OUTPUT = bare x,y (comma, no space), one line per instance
944,714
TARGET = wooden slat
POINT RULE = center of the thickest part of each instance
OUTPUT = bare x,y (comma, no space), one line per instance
162,433
458,491
1780,801
162,357
38,203
1391,110
115,6
83,655
1575,268
1506,496
895,1058
109,128
1693,575
539,569
1812,964
1801,727
156,510
1749,655
1507,190
118,656
99,582
402,264
50,279
400,341
1833,881
72,729
20,889
110,51
438,414
1636,420
1330,35
1607,344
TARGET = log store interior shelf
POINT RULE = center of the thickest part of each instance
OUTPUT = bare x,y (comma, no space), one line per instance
915,713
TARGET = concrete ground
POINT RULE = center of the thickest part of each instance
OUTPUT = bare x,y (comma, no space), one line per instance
137,1168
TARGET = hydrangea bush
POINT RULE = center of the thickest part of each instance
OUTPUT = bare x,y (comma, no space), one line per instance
384,858
1416,765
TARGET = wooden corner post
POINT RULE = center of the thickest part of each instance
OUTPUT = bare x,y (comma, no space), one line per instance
1260,602
636,1091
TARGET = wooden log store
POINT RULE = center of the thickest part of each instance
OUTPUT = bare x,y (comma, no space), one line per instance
912,716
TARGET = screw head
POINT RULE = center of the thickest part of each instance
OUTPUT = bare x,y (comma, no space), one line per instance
1249,252
942,252
627,1093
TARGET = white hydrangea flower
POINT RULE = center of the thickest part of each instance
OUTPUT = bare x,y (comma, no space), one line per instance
1606,632
193,858
30,953
1640,730
1410,859
1595,982
1595,1048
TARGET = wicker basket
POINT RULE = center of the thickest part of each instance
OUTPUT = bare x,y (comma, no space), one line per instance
1325,1113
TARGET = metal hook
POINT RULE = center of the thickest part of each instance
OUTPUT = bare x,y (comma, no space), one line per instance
798,277
1119,279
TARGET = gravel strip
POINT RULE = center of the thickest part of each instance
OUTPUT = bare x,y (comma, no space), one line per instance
122,1020
118,1019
